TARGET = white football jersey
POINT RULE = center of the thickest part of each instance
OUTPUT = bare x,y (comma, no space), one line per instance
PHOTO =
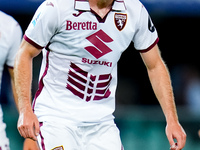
79,69
10,39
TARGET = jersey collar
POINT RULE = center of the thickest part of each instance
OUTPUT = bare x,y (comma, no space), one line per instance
83,5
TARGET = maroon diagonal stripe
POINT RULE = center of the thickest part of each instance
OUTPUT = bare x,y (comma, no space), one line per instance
104,77
77,76
101,91
79,70
78,85
75,92
104,84
107,94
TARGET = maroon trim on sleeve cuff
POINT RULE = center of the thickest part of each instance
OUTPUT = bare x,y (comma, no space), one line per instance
150,47
11,67
32,42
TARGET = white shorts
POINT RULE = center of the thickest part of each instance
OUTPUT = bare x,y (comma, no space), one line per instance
104,136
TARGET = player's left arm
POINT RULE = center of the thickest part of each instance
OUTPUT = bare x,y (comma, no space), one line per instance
15,35
11,72
161,83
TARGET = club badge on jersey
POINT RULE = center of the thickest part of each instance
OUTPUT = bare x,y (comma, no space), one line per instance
58,148
120,20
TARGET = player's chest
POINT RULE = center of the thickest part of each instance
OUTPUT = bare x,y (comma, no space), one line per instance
88,28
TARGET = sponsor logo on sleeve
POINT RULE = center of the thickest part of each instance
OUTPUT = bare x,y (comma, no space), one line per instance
36,19
151,27
50,4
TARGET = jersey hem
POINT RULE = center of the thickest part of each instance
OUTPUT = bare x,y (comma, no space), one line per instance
32,42
54,120
150,47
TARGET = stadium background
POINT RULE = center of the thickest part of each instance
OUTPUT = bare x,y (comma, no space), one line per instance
138,113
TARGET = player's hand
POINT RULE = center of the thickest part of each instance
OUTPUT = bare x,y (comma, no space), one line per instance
175,131
28,125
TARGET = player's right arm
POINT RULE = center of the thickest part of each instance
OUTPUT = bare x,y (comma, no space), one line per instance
28,124
41,29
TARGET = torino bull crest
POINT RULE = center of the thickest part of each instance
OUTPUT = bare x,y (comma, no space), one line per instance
120,21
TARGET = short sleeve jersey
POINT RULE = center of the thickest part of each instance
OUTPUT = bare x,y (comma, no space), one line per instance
78,76
10,39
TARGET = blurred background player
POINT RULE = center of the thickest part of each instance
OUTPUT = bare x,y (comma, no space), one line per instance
10,38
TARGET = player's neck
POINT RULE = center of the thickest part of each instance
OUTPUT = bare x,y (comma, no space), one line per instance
101,7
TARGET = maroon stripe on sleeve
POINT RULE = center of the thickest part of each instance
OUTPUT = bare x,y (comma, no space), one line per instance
10,67
150,47
32,42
